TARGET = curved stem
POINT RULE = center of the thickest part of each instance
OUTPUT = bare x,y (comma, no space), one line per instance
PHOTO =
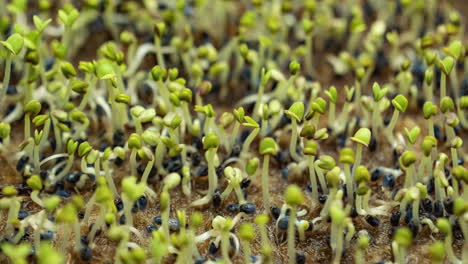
293,142
291,242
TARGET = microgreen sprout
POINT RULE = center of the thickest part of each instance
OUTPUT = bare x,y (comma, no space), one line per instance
445,227
338,217
401,241
170,181
131,191
262,220
317,108
407,160
249,122
333,180
323,164
363,243
247,235
362,137
437,252
362,177
310,150
234,176
265,77
18,254
430,110
347,158
446,65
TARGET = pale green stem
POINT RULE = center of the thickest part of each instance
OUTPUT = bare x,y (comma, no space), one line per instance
67,168
291,234
326,206
159,156
365,202
234,133
265,186
293,141
12,214
454,153
249,140
430,126
138,126
443,85
97,224
359,204
187,116
308,59
109,179
315,119
313,179
392,124
146,172
225,247
415,210
77,231
349,183
357,94
128,204
422,167
339,245
260,92
159,55
331,114
58,136
36,159
321,178
27,126
212,178
37,231
133,162
89,208
449,249
264,127
35,198
409,180
45,135
90,90
357,160
6,77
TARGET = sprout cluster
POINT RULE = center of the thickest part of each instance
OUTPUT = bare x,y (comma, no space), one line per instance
233,131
